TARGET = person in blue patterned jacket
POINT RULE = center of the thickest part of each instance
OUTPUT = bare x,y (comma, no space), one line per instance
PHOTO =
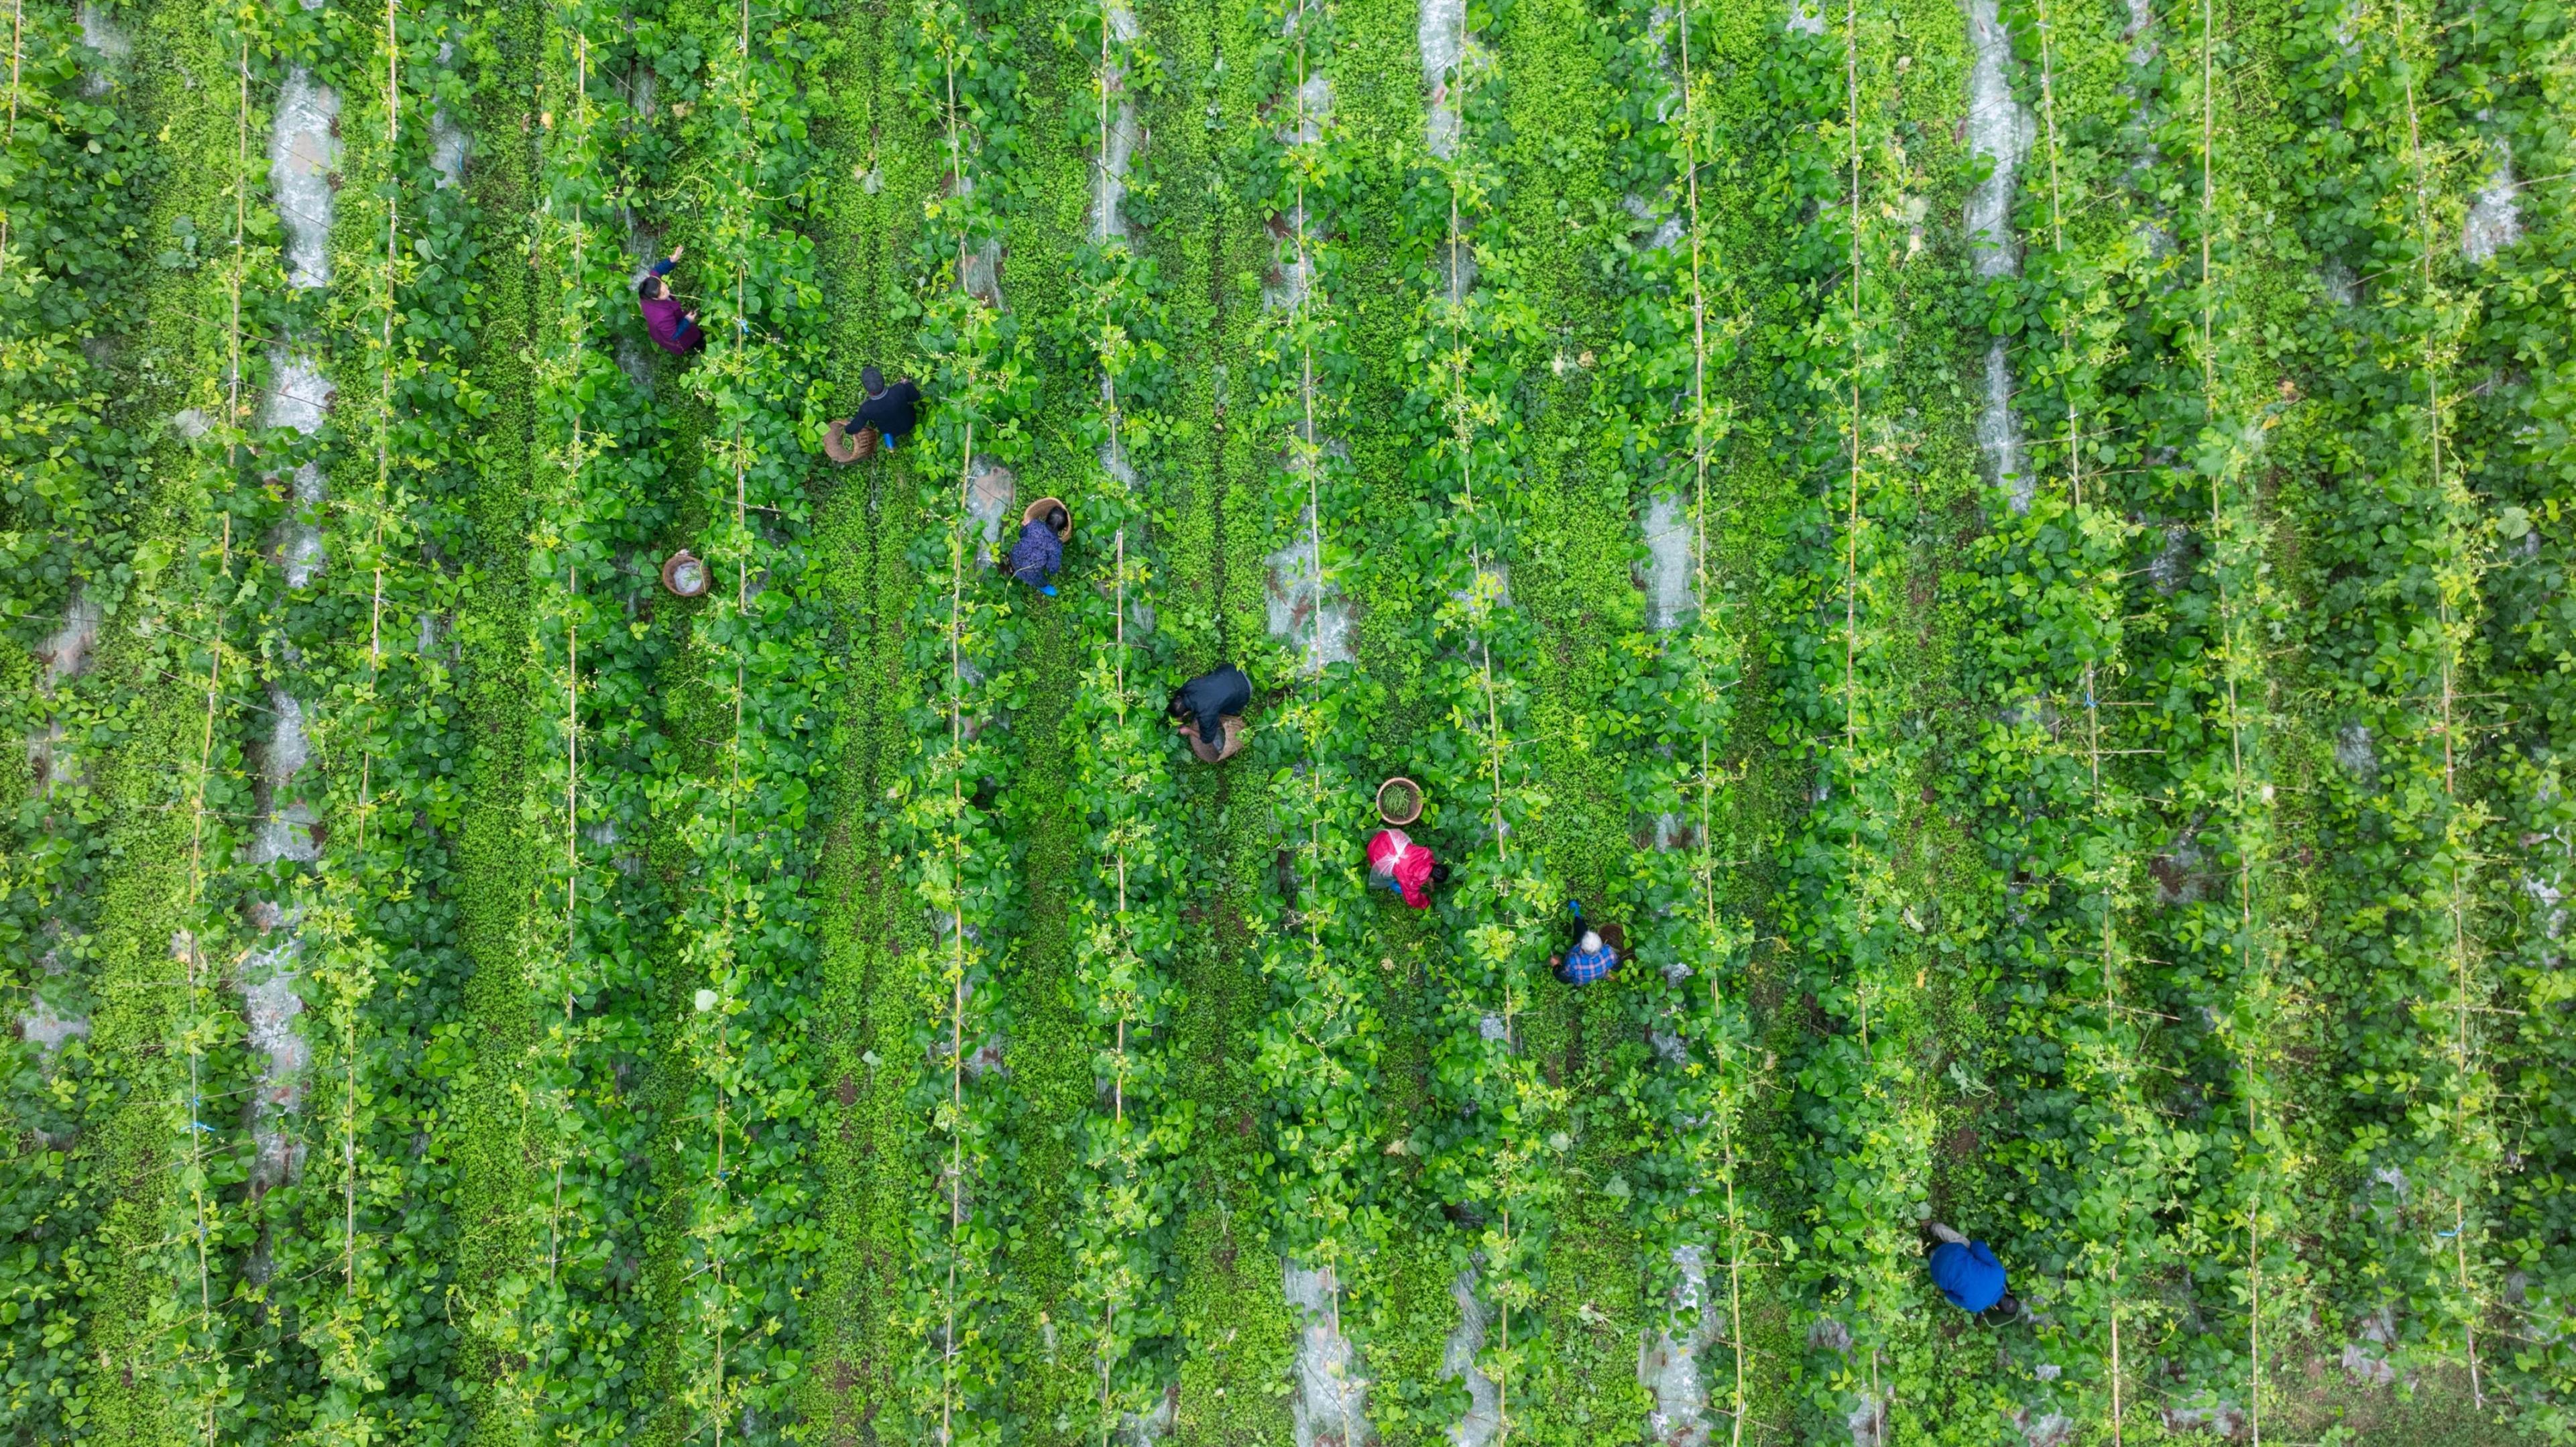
1039,551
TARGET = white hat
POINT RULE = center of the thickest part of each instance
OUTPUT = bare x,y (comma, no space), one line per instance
1591,939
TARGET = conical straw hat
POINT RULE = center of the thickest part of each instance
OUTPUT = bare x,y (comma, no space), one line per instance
1038,509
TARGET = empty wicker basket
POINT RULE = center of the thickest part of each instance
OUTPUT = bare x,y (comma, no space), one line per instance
848,447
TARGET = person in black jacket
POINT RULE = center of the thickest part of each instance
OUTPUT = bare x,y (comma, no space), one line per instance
890,410
1210,708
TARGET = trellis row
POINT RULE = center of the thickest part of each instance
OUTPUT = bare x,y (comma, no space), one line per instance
2401,545
2224,946
2520,353
2245,604
204,1228
358,1240
748,941
2074,832
2458,1132
1507,1123
1675,712
1322,1040
956,865
1126,921
595,733
1844,912
72,264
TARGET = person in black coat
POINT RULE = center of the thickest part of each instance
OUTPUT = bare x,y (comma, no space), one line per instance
890,410
1210,707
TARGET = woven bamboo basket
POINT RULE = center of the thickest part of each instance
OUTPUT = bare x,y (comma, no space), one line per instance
1234,735
685,575
846,447
1399,800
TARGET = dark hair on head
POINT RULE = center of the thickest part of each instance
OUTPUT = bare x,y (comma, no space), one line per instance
1439,874
1178,706
650,288
871,380
1056,519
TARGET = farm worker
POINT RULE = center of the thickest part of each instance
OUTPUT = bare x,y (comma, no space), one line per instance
1966,1271
1588,959
1040,550
1405,867
1209,709
890,410
673,330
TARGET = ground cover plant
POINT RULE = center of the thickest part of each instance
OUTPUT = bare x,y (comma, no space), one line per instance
2014,553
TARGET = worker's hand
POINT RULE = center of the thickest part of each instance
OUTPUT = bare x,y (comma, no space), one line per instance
675,252
693,316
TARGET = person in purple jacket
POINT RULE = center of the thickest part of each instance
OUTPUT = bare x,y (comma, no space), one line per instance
674,330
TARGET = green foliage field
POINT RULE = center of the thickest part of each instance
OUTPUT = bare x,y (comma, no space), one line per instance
2019,552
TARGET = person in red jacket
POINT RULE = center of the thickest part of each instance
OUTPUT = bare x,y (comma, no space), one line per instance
673,328
1405,867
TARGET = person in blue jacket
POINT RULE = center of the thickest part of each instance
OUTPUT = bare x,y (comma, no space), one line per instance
1967,1272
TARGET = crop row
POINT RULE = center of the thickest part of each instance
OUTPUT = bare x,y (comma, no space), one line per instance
574,1310
2070,830
1322,1042
1672,717
1126,921
72,160
2403,541
1864,1117
960,638
2515,419
1496,1151
745,933
357,1233
2223,949
233,1133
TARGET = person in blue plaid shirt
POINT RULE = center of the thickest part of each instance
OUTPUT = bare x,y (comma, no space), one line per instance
1590,958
